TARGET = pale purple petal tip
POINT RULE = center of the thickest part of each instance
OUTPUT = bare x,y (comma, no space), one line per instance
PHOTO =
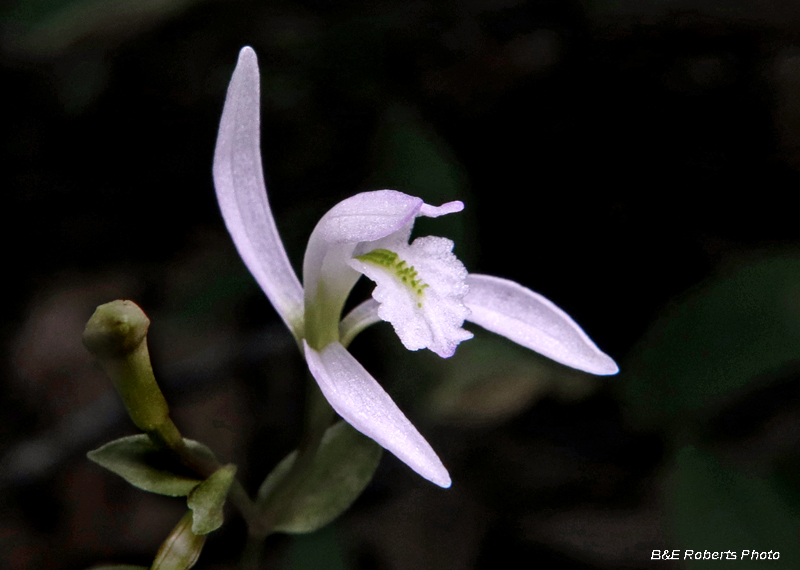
360,400
527,318
435,211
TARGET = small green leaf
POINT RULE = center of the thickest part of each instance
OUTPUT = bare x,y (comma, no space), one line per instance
142,464
342,468
207,499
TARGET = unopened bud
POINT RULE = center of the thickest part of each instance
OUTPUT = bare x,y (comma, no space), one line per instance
117,335
116,329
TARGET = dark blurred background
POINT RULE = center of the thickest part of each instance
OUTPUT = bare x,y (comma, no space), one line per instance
635,162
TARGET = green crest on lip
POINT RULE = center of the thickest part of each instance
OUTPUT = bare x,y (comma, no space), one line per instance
391,261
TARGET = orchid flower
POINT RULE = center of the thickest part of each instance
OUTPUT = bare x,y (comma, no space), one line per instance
422,289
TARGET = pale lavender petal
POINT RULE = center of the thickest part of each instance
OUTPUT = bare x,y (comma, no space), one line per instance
368,216
527,318
357,320
360,400
242,194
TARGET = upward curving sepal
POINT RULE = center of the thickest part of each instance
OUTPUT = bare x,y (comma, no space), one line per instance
527,318
242,194
360,400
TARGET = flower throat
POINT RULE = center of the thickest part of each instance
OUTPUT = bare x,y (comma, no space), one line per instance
391,261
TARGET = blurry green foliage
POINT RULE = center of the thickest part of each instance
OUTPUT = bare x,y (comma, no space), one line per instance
726,338
208,285
47,27
30,12
317,551
717,508
786,478
717,342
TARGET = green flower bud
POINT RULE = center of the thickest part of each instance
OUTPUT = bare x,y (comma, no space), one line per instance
117,335
116,329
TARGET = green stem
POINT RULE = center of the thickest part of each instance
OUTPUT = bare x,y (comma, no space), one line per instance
168,436
318,417
251,557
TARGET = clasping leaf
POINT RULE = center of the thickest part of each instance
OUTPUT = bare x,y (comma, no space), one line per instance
342,468
144,465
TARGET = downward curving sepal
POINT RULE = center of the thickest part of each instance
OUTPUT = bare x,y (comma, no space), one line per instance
360,400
